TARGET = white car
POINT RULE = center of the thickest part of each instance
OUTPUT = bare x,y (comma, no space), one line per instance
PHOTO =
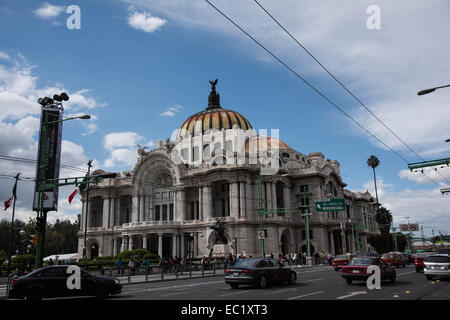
437,265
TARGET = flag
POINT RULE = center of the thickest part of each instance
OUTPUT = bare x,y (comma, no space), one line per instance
72,195
8,203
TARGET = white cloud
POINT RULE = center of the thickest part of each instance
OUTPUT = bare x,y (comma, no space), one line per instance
440,174
47,11
423,206
144,21
4,55
171,111
19,127
122,156
383,68
121,139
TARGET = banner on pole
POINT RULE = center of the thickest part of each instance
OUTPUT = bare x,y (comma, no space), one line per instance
51,156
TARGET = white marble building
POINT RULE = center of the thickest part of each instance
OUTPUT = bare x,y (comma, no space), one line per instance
168,204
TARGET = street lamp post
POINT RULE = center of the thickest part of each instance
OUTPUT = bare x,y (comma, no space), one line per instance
427,91
56,104
89,164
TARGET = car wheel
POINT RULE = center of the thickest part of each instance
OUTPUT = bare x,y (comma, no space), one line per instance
349,281
101,292
428,277
417,270
263,282
336,269
34,294
394,276
404,266
234,285
293,278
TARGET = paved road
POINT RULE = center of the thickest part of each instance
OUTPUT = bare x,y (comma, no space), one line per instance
319,283
316,284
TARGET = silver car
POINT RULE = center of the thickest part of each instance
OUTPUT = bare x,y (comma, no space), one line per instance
437,265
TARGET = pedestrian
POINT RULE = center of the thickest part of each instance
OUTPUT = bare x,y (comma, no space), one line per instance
50,262
100,267
146,265
119,267
131,266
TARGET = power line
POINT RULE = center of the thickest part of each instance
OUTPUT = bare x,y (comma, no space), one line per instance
31,161
342,85
308,84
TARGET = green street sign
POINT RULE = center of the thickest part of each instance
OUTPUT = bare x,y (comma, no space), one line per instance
337,204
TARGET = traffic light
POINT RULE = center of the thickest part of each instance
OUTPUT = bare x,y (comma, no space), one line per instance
33,239
265,233
40,224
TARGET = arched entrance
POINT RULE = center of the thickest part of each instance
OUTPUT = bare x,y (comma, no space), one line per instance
94,250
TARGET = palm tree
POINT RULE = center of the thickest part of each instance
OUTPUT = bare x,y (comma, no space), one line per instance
373,162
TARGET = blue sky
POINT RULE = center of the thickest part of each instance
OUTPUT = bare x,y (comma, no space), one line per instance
132,61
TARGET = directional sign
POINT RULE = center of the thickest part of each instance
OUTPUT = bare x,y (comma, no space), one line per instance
337,204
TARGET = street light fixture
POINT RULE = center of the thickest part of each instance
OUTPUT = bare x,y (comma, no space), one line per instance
427,91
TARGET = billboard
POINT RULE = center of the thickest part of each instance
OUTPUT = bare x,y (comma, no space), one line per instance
409,227
50,143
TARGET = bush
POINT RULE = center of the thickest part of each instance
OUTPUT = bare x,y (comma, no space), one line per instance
132,254
151,256
24,258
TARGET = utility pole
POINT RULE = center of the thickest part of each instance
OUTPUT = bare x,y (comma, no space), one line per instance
89,164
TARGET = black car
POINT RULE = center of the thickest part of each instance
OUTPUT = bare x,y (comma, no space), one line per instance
51,282
260,272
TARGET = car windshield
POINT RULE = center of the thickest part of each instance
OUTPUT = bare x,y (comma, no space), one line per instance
389,256
245,263
438,259
361,262
341,256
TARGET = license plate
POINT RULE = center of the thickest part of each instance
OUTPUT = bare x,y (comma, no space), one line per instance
235,274
355,271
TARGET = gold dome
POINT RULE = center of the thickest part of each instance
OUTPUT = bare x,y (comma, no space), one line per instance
213,117
216,118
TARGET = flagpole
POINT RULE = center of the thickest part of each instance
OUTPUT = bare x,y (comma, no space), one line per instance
11,237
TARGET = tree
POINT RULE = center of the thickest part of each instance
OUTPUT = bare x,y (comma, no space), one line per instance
384,219
373,162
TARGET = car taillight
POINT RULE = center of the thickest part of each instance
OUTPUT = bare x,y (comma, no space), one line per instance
228,271
14,282
247,271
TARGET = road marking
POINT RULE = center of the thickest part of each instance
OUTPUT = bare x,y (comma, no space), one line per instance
229,294
306,295
401,274
312,280
175,293
279,291
351,294
171,287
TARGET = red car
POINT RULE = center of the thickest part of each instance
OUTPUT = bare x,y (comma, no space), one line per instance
342,260
419,260
357,269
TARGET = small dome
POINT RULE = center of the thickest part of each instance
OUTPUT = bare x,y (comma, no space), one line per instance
262,142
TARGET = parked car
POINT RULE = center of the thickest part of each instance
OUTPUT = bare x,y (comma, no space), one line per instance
409,258
393,259
51,282
357,269
259,271
437,265
419,260
342,260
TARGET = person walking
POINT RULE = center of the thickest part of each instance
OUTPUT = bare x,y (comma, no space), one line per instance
131,266
119,267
